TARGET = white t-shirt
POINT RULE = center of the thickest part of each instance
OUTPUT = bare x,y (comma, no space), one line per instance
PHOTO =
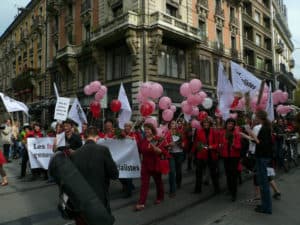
252,145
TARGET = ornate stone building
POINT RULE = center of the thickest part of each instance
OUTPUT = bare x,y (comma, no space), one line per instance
23,57
282,49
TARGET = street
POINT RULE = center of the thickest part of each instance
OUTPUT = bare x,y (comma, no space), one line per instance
28,203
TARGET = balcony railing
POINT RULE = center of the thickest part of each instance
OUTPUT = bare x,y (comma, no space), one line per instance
219,11
218,46
69,50
279,47
203,3
234,21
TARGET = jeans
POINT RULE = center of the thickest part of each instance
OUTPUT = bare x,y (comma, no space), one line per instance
175,174
263,181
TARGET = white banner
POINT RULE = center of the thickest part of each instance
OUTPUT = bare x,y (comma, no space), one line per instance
13,105
77,114
40,151
126,156
61,108
243,81
126,112
224,91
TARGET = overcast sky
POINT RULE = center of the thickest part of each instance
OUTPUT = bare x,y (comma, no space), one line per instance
8,11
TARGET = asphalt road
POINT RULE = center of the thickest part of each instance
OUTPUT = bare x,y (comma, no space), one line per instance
34,203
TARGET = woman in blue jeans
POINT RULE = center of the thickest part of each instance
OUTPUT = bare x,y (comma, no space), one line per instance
177,157
263,155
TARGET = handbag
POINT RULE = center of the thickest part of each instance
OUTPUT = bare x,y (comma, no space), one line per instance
164,165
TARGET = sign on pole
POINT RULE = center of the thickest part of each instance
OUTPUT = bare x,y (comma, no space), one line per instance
61,108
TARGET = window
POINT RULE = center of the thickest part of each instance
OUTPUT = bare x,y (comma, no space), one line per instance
171,10
202,29
118,63
117,9
259,63
201,68
87,29
257,17
258,40
232,13
171,63
219,36
233,42
88,73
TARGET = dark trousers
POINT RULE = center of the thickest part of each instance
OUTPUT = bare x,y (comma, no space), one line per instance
6,149
25,159
127,185
231,171
213,169
175,174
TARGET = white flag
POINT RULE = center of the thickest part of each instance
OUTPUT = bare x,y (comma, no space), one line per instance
243,81
55,90
225,92
270,106
13,105
126,112
77,114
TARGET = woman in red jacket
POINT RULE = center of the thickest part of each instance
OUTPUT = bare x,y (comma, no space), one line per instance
152,149
205,149
230,152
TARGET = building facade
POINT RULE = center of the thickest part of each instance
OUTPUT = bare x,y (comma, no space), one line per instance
283,49
23,57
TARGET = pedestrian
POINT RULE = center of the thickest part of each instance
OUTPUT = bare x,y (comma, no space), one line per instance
97,166
263,155
205,149
230,152
6,136
73,140
2,171
152,149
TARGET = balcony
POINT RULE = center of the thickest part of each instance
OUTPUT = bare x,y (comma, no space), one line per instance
235,54
202,4
292,63
219,12
86,7
279,47
234,21
175,26
25,80
68,51
129,19
218,47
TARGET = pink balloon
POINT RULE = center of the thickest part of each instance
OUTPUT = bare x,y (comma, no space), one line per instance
199,98
151,120
173,108
156,90
164,129
159,132
275,98
192,100
152,104
195,111
203,94
87,90
186,108
145,89
284,97
195,124
141,99
95,85
195,85
103,90
164,103
99,95
167,115
185,89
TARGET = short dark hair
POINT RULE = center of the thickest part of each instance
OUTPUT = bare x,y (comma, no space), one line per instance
151,127
91,131
109,120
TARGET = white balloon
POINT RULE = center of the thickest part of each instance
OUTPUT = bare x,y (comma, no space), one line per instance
207,103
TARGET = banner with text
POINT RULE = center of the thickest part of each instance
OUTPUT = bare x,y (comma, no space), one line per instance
40,151
61,108
126,156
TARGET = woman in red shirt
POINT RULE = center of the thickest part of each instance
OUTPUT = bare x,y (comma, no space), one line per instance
230,152
205,149
152,149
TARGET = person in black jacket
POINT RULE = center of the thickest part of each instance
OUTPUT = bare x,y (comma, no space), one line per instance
263,155
96,165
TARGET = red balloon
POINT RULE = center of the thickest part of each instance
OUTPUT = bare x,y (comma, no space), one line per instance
95,108
146,109
115,105
202,115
